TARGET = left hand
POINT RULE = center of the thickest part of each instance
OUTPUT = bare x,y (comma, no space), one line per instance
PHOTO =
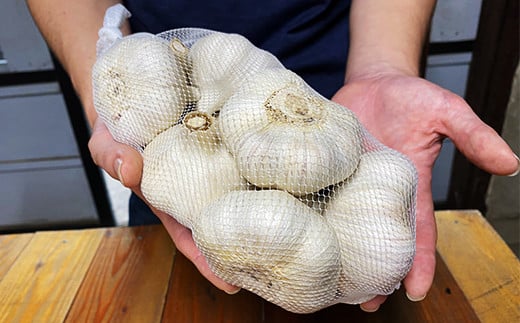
413,116
125,164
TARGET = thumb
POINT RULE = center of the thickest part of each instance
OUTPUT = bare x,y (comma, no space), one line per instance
478,141
121,161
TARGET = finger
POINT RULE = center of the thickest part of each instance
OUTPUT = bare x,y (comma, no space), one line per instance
373,304
183,240
420,278
477,141
121,161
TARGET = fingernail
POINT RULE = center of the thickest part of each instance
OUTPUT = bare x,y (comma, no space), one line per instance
415,298
233,292
517,169
369,309
118,164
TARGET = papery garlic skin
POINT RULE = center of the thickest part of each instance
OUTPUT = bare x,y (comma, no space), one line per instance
139,89
221,62
373,214
186,167
286,136
270,243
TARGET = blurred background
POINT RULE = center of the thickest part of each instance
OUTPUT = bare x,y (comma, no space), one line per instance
48,181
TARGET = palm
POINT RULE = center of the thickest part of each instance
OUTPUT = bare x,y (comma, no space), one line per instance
413,116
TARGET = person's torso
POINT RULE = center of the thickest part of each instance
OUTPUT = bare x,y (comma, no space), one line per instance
309,37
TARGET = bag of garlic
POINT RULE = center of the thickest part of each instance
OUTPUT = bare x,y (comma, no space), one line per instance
286,193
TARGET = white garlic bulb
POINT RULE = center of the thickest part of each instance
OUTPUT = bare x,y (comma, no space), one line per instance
374,219
139,88
186,167
270,243
286,136
220,64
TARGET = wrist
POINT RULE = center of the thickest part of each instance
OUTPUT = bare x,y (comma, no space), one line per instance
378,69
82,85
387,37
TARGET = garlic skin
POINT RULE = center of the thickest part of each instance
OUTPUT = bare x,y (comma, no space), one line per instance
286,136
221,62
273,245
139,89
186,167
373,214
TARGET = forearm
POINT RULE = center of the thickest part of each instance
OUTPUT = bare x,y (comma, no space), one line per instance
71,31
387,36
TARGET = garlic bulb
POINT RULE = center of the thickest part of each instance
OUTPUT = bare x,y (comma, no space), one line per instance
220,64
184,77
373,217
270,243
186,167
286,136
139,89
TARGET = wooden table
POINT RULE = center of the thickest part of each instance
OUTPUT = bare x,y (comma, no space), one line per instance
134,275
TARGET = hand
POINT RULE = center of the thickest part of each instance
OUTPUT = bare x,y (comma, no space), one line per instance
413,116
125,164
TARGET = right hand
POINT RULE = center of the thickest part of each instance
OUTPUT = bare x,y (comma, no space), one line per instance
125,164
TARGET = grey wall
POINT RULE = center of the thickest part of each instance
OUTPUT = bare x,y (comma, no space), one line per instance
42,179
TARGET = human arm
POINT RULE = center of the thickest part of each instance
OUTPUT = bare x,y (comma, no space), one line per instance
71,31
410,114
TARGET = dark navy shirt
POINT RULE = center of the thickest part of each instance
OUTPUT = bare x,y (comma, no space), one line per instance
310,37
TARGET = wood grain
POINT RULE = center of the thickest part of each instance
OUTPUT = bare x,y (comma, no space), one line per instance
128,279
133,275
444,303
10,248
486,270
42,282
193,299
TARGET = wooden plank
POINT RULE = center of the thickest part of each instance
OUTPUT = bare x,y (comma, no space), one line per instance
10,248
193,299
128,278
445,303
485,268
42,283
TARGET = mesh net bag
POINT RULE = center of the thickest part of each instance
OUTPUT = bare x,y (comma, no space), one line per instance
286,193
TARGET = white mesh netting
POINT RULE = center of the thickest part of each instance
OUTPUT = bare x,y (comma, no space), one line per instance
286,193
